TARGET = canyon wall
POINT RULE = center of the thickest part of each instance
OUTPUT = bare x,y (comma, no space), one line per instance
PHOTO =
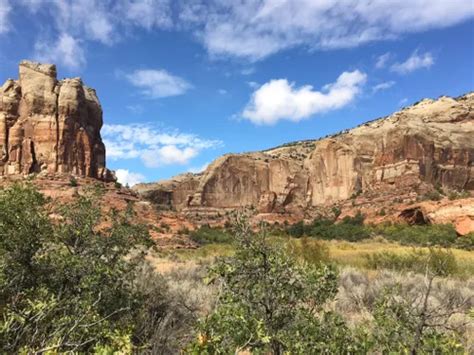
50,126
427,145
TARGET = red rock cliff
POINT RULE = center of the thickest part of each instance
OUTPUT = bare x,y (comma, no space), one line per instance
50,126
426,145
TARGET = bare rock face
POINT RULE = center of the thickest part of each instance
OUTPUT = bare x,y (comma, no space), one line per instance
428,144
50,126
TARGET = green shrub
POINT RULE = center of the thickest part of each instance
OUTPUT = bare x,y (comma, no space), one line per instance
73,181
336,211
117,185
350,229
405,326
208,235
437,261
465,241
434,195
297,230
66,287
165,226
428,235
271,303
455,195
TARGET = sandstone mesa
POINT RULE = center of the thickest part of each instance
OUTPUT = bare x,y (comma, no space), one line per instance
428,144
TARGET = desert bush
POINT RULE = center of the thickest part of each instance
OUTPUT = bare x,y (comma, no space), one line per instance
465,241
455,194
439,261
390,304
207,235
403,325
65,286
173,303
271,303
428,235
434,195
297,230
73,181
350,229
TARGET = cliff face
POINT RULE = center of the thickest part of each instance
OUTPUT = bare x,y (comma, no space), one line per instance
428,144
50,126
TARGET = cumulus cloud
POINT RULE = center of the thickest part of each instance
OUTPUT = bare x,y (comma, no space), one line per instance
168,155
128,178
5,9
65,50
153,145
383,86
256,29
281,100
414,62
158,83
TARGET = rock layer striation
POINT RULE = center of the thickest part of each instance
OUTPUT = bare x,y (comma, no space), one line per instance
427,145
50,126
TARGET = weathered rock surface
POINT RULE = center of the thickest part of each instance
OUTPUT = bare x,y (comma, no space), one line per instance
50,126
428,144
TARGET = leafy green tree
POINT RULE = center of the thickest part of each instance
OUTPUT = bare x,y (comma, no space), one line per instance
66,275
270,302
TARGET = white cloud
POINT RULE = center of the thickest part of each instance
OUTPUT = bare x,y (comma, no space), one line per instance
155,146
148,13
382,60
101,21
254,29
65,50
403,102
135,109
383,86
252,84
168,155
248,71
281,100
250,29
128,178
414,62
198,169
5,9
158,83
222,91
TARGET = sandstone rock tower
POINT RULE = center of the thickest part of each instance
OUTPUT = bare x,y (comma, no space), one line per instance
50,126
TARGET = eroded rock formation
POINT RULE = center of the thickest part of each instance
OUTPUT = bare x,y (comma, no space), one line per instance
428,144
50,126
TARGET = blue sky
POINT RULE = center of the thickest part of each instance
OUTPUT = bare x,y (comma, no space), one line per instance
183,82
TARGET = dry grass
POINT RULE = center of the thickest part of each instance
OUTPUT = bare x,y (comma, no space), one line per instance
342,252
449,303
358,290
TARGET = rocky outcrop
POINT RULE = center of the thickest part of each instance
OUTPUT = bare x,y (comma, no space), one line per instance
426,145
50,126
